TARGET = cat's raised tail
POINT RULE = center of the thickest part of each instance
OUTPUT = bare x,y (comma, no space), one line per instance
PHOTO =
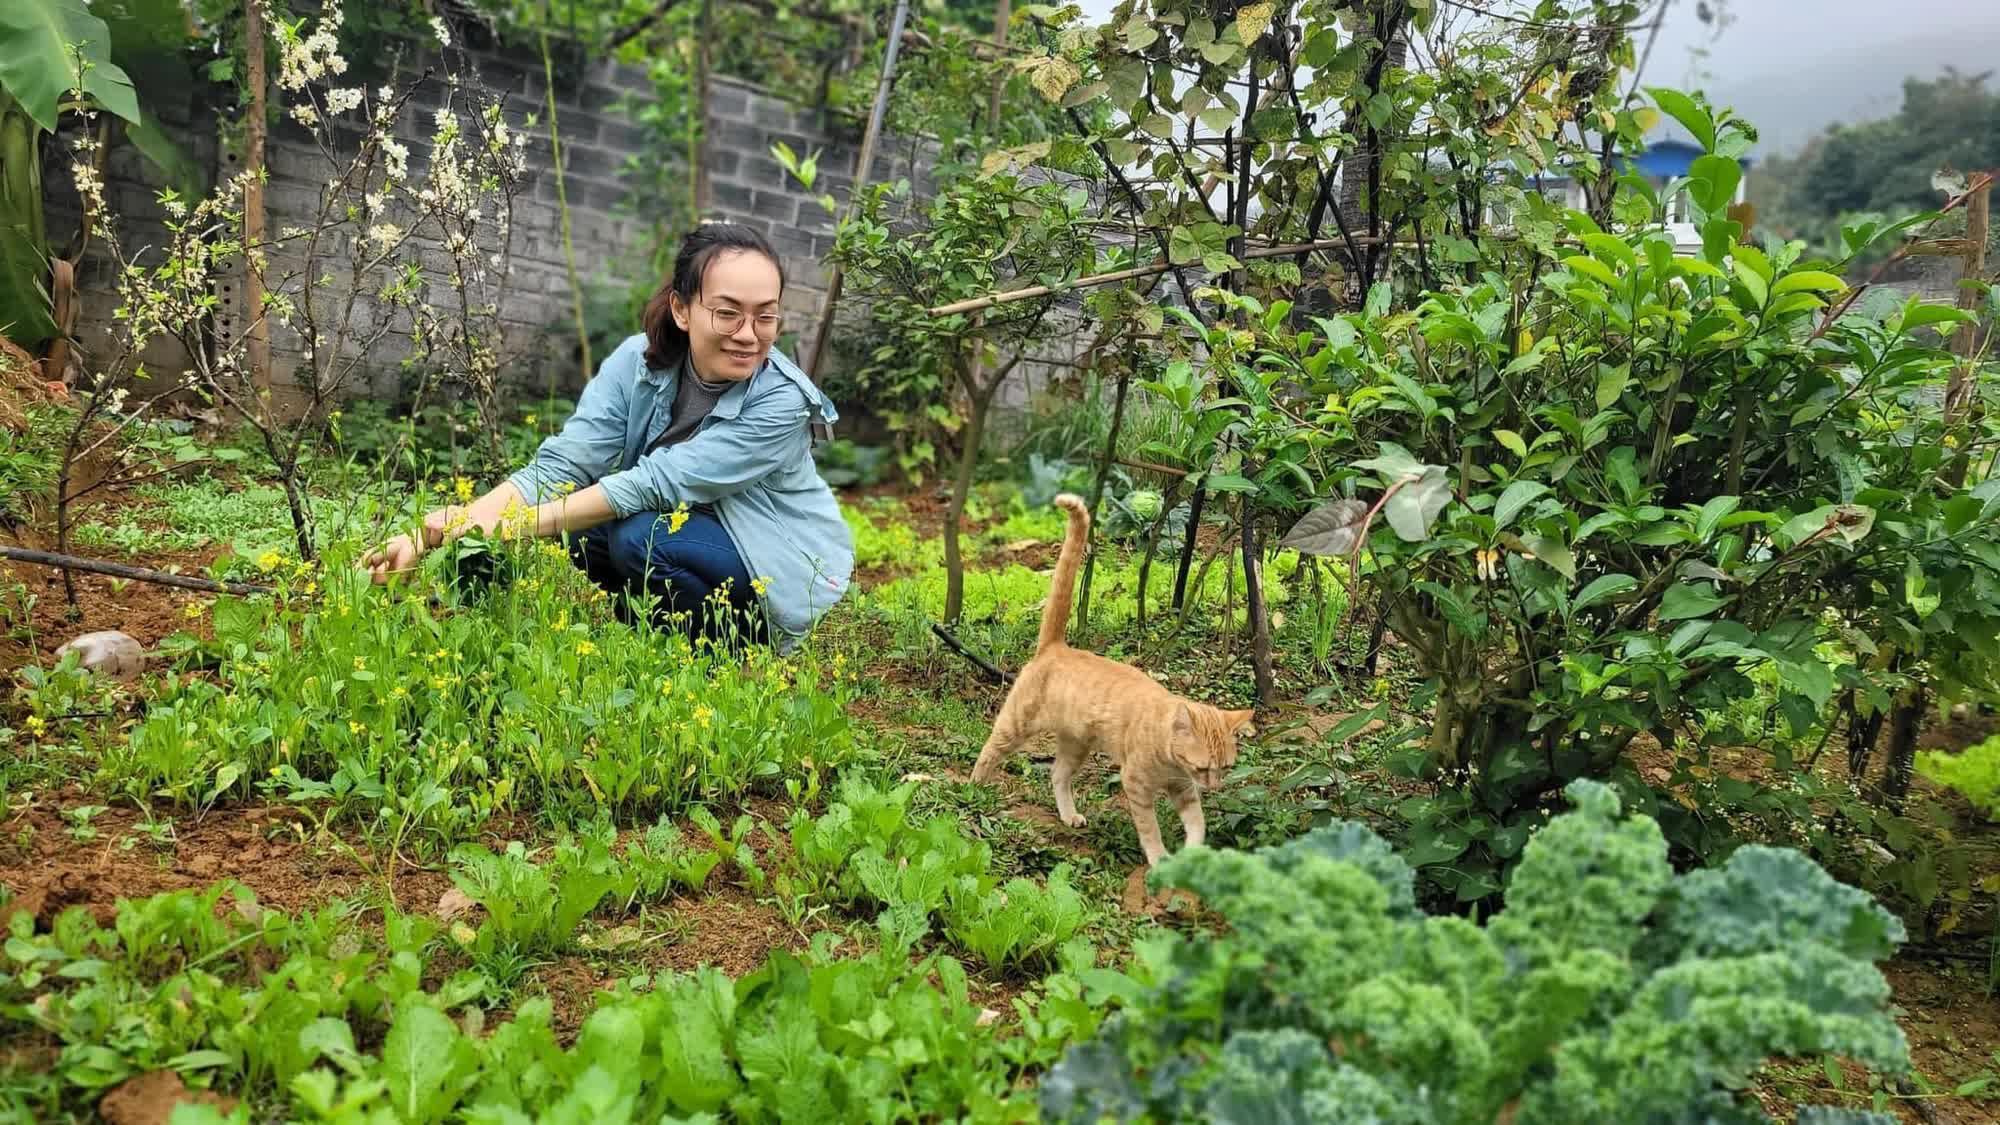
1055,615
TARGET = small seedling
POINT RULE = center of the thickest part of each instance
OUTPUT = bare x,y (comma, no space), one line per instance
80,817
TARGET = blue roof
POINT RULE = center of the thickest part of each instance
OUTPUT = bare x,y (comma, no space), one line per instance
1663,159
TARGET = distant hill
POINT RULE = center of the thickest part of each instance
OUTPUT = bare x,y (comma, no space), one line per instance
1790,97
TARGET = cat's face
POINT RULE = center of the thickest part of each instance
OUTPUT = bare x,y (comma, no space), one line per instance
1205,741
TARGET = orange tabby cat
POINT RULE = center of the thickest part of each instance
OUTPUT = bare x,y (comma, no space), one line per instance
1164,745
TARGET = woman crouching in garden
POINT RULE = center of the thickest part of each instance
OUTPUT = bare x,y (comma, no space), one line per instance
686,471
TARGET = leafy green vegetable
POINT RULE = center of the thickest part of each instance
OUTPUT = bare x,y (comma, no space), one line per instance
1608,989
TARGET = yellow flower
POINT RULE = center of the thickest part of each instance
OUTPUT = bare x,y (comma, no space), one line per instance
269,560
192,611
463,488
677,518
312,588
360,665
354,727
759,585
529,419
702,715
439,683
398,692
440,654
585,648
36,726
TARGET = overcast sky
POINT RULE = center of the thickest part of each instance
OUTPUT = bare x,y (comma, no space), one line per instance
1794,66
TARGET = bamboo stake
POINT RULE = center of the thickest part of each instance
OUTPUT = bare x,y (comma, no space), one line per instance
257,339
1960,403
865,164
973,304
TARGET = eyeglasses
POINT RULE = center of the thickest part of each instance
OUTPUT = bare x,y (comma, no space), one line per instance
728,319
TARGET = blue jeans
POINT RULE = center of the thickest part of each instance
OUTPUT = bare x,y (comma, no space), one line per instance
639,554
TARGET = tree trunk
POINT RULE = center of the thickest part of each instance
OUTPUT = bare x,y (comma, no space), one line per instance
1260,621
1153,533
961,488
1187,546
1002,16
1361,171
1961,404
1903,729
1097,499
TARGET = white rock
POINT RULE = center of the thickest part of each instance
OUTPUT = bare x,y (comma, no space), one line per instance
108,653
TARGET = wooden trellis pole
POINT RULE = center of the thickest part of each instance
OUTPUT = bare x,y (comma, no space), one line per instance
1960,400
866,163
257,332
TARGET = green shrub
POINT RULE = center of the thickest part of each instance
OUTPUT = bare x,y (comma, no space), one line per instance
1975,772
1608,989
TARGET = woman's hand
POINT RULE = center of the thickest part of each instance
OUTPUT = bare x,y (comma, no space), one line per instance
394,557
403,552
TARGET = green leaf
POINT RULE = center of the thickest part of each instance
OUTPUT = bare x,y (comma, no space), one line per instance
1229,482
1818,281
1414,507
1683,601
1603,589
1393,463
1913,590
1455,610
1591,268
1751,281
1849,522
1688,112
1512,441
1711,515
1352,725
1917,315
1611,249
1550,550
426,1063
1611,383
1712,182
36,65
1517,495
1218,118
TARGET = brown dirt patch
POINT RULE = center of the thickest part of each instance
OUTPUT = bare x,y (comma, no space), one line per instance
263,847
147,612
150,1099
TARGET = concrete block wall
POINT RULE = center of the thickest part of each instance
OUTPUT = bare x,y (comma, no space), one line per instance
610,228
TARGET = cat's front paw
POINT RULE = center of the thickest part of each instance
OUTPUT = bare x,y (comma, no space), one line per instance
1074,820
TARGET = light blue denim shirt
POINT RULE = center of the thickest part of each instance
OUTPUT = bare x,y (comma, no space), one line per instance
751,459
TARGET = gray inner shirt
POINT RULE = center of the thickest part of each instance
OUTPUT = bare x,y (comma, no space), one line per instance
693,399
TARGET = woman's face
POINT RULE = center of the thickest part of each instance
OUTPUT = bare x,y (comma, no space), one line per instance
740,286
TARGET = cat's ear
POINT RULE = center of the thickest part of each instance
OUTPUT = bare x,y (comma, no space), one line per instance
1183,721
1239,722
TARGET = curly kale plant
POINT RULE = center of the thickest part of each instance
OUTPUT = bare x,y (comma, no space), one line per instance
1608,989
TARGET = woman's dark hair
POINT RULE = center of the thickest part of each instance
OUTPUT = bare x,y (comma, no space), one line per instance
666,343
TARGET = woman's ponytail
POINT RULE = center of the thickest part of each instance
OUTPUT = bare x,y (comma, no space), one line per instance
667,342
